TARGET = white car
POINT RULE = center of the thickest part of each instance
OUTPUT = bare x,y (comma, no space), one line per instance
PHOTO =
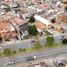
10,62
34,57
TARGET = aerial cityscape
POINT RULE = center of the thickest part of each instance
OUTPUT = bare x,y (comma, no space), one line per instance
33,33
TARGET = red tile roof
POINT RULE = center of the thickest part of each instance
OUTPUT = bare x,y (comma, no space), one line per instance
63,17
40,25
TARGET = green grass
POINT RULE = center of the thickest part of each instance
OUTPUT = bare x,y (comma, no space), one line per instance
48,33
27,50
54,45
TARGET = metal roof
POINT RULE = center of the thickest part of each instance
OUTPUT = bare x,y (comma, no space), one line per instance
42,20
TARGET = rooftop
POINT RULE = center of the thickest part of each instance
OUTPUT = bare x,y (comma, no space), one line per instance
42,20
5,26
63,17
40,25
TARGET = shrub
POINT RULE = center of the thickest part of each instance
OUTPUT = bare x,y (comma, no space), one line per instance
64,41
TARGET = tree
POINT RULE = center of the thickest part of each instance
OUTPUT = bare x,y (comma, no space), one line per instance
37,45
53,20
32,30
17,10
50,40
0,38
32,19
64,41
23,49
0,35
14,51
7,38
7,8
20,49
65,8
7,52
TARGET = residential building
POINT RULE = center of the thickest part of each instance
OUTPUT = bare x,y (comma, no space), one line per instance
41,23
63,17
7,31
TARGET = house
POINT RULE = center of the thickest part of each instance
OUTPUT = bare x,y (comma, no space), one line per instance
40,26
63,17
45,6
42,20
18,20
7,31
41,23
64,2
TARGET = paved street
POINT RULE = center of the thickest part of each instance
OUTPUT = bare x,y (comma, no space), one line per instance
49,61
27,44
51,52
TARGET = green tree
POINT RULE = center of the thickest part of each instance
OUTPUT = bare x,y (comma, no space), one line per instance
32,30
65,8
50,40
0,35
17,10
64,41
20,49
7,52
14,51
7,8
7,39
32,19
53,20
0,38
37,45
23,49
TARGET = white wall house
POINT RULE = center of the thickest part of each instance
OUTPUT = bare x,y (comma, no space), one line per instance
42,20
41,23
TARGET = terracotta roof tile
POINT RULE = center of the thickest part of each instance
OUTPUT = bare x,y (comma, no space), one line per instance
40,25
5,26
63,17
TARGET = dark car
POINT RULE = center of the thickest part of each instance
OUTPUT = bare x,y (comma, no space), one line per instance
32,41
31,58
60,63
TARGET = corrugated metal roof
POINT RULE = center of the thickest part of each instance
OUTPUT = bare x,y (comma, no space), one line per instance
42,20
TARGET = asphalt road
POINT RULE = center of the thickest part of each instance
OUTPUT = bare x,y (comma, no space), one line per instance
51,52
27,44
43,53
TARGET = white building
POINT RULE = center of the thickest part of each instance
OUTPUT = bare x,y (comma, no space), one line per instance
42,20
41,23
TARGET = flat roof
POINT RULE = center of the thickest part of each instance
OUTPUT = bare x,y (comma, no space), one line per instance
42,20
